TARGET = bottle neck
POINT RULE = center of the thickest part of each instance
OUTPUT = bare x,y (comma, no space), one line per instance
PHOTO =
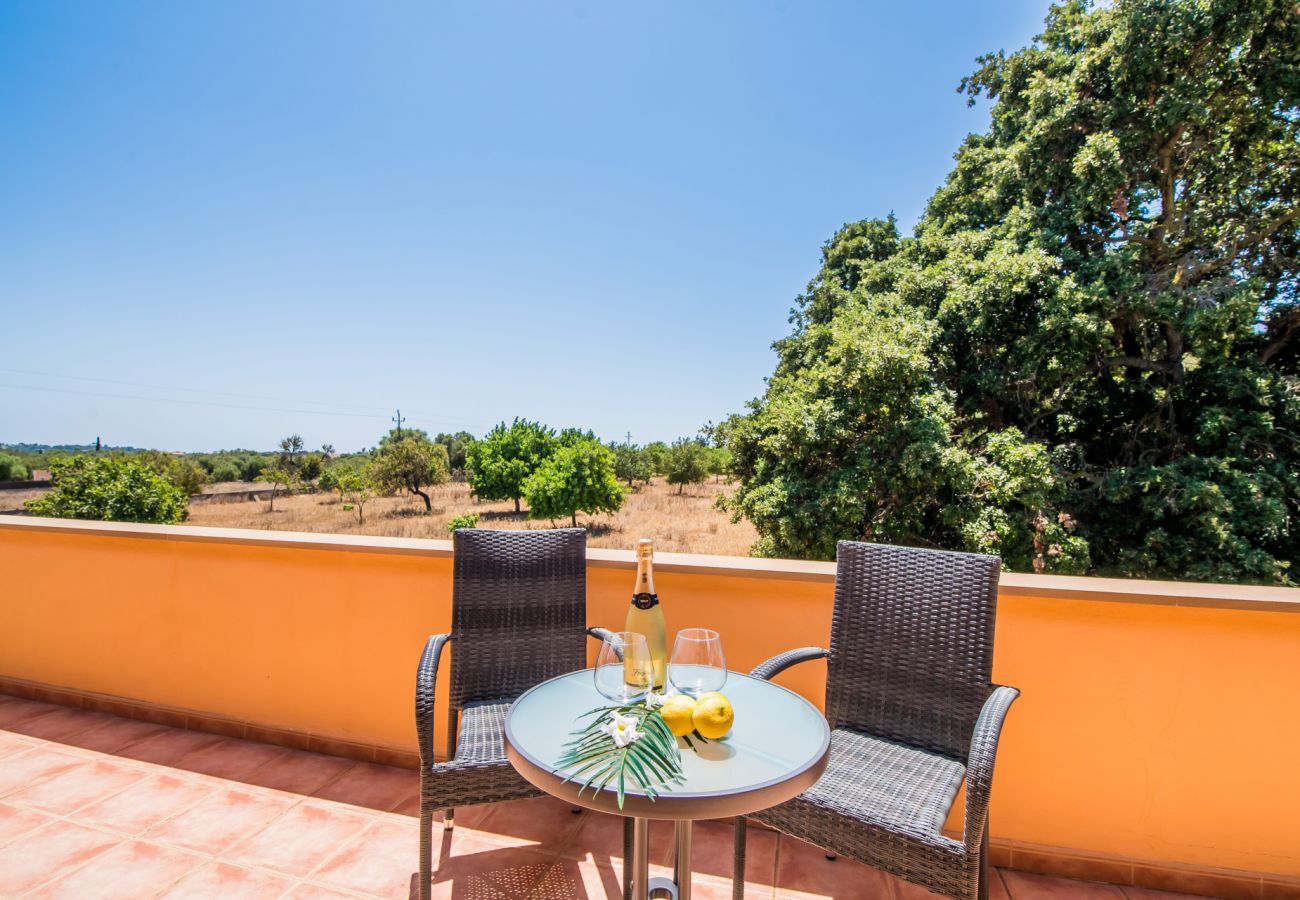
645,576
643,592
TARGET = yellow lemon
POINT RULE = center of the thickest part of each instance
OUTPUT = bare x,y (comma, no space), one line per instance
713,715
677,712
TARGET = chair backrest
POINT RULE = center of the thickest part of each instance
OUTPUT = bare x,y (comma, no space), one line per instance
912,644
518,610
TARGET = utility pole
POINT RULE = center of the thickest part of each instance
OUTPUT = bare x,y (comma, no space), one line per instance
398,419
628,439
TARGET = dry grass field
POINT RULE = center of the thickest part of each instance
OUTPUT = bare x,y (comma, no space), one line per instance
685,523
14,499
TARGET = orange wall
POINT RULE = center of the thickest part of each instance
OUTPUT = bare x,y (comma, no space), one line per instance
1148,730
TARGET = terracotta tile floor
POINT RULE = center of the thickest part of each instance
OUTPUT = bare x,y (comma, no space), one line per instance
96,806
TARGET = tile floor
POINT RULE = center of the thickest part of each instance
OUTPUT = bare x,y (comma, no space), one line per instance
93,806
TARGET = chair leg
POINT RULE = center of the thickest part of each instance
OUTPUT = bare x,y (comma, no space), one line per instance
449,819
426,851
738,862
627,858
984,863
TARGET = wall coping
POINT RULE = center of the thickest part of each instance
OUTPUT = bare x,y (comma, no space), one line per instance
1013,584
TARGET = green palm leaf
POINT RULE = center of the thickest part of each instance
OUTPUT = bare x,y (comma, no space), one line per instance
592,757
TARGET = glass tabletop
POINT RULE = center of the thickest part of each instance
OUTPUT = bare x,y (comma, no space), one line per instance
777,736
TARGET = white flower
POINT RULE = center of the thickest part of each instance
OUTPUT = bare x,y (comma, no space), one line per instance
622,729
654,701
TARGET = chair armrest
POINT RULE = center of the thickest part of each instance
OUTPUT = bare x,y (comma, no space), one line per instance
426,677
782,661
979,767
599,633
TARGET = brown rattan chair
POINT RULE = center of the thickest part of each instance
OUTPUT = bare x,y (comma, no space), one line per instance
518,617
912,710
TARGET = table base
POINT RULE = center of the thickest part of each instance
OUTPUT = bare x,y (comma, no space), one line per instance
646,888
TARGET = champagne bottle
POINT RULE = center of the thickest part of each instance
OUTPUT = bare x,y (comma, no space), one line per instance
645,616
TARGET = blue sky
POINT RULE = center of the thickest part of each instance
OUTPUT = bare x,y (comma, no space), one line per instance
221,223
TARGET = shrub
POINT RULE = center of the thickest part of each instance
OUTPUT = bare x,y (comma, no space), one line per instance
110,489
329,479
226,470
468,520
185,473
310,465
12,468
357,490
252,466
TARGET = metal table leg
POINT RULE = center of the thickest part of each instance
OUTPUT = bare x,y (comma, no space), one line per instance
682,860
646,888
640,859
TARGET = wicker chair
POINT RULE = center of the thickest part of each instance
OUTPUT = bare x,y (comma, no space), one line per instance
518,614
912,712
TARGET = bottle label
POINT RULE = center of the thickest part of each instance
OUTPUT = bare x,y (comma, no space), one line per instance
644,600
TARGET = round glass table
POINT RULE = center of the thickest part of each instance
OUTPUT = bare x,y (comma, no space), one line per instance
777,748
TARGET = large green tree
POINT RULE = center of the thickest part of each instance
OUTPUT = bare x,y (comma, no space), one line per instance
499,464
577,477
1087,356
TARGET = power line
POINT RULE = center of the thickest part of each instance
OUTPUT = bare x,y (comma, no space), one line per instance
308,412
189,390
333,410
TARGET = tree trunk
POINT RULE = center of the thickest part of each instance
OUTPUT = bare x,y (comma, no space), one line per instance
428,505
272,498
574,518
517,510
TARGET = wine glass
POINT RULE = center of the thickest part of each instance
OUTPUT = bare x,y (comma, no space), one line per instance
698,664
623,671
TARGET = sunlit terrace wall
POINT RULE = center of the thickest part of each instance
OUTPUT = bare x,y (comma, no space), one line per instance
1159,721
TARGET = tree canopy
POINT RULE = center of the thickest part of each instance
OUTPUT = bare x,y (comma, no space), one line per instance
12,468
410,461
1087,355
686,462
499,464
577,477
631,463
457,448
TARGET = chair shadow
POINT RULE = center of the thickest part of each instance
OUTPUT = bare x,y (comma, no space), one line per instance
474,877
